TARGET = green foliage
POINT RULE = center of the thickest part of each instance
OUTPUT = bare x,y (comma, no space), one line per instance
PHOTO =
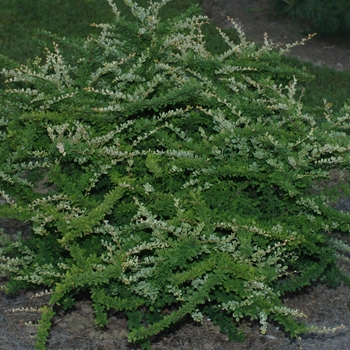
178,181
323,16
328,84
20,19
44,327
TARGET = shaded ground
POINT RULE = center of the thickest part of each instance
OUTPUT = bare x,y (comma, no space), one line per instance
256,17
76,330
325,307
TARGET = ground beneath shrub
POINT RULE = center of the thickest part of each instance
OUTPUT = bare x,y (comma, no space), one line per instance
325,307
75,329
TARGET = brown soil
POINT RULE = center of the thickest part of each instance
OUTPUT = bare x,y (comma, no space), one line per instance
324,307
75,329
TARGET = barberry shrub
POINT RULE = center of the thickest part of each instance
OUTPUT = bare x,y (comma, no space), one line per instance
166,180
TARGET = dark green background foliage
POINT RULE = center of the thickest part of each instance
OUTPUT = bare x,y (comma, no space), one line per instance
323,16
21,19
177,179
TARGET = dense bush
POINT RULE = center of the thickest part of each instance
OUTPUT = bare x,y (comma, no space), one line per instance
178,182
323,16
